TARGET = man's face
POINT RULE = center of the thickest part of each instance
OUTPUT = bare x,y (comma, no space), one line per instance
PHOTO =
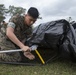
29,20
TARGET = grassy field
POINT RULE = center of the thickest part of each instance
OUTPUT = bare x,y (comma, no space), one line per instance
56,67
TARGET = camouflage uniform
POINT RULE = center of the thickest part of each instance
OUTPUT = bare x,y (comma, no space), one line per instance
21,30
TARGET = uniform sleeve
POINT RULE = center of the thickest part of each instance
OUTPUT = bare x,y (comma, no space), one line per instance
11,24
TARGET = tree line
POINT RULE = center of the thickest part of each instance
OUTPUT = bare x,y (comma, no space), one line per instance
11,11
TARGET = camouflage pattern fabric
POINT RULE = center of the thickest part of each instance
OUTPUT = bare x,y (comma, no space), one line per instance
22,32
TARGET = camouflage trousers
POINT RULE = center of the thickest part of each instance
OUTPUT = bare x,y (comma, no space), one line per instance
8,57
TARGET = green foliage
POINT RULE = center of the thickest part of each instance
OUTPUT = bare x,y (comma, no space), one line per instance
12,10
2,12
16,10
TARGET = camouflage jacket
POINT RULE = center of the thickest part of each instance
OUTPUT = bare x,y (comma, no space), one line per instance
21,30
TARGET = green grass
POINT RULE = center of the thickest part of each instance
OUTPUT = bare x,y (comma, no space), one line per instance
52,68
56,67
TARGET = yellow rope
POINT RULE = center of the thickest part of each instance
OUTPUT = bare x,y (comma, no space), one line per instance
40,56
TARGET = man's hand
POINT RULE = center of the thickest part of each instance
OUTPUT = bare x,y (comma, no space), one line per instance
26,48
27,53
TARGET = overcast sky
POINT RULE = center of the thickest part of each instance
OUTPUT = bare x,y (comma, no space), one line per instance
49,9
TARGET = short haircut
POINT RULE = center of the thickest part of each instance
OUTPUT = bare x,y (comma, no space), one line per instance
33,12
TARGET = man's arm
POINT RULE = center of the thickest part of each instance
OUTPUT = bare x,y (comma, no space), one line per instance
10,34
